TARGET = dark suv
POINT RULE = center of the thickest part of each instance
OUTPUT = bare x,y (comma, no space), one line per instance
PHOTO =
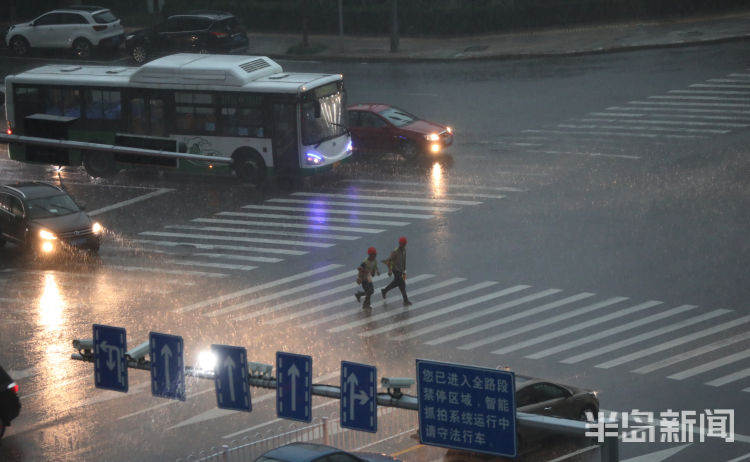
10,405
44,219
196,31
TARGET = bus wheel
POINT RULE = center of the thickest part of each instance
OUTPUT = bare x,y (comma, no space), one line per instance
249,168
99,164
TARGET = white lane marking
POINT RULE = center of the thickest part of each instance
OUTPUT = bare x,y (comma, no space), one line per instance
298,301
108,395
680,110
692,353
344,314
359,197
711,365
222,229
740,458
584,154
134,200
657,456
439,312
714,85
671,122
501,307
315,221
212,265
452,186
236,239
238,257
277,295
98,276
687,104
357,205
674,343
323,212
257,288
610,133
342,301
235,248
644,336
698,98
710,92
733,377
643,128
701,116
167,271
575,328
415,306
609,332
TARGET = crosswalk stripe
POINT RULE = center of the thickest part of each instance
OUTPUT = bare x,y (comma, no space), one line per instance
276,224
439,312
687,103
423,290
489,324
711,365
452,186
235,248
733,377
222,229
237,239
413,307
585,154
713,85
673,343
323,212
586,324
698,98
692,353
643,336
315,220
609,332
167,271
258,288
238,257
657,115
679,110
670,122
363,205
452,194
276,295
338,302
212,265
655,129
298,301
711,92
611,133
359,197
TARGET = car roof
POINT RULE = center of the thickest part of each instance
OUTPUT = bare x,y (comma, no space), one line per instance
32,189
300,452
86,8
208,14
372,107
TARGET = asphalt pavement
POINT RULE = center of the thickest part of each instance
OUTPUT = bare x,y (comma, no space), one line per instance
547,42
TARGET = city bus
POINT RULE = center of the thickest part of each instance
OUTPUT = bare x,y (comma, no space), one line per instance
190,112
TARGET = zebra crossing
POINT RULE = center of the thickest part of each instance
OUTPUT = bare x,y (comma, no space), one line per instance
585,328
715,107
237,241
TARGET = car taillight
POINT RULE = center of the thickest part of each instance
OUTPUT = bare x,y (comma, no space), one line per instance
100,27
220,34
13,386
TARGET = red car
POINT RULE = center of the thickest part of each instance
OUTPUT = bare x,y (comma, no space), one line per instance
384,128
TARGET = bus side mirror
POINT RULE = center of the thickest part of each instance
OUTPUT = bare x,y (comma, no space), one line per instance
317,109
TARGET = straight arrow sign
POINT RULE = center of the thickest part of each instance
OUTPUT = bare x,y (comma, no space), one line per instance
167,366
231,378
294,386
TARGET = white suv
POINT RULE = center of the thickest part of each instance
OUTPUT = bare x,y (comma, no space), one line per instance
79,28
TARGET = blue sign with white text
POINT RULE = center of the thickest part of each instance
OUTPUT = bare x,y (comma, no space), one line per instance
110,365
359,403
467,407
167,366
294,386
231,378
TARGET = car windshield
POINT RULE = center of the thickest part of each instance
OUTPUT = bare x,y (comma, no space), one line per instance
51,206
397,117
327,122
105,17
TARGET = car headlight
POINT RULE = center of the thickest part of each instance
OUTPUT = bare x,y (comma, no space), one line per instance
96,228
432,137
46,235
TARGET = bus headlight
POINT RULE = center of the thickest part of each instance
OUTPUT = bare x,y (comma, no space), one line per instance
46,235
313,159
96,228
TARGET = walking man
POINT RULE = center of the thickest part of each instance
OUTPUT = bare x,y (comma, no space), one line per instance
367,269
397,265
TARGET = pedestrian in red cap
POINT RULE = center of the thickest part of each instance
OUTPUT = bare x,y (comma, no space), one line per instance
397,266
367,269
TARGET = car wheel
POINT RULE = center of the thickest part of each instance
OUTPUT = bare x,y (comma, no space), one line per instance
99,164
409,150
594,411
19,46
249,168
82,48
139,54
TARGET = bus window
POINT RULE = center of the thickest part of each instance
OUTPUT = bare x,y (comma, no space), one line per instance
156,117
138,116
27,101
64,101
102,104
241,115
195,113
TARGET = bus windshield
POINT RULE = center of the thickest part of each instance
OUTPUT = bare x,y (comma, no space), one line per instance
324,115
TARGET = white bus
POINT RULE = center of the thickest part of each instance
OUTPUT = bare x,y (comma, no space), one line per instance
260,121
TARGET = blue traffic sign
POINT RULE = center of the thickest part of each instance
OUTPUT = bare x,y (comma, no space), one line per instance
466,407
294,386
167,366
110,365
231,378
359,403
